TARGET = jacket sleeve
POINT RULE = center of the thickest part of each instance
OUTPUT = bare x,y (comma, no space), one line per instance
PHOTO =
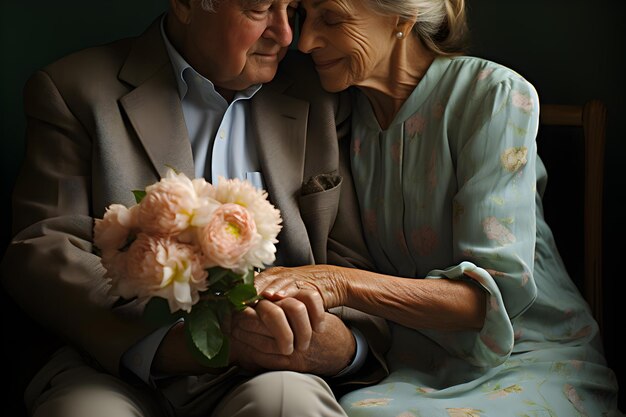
49,267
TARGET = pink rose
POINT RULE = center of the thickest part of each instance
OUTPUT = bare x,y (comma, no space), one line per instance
159,266
112,231
168,206
228,236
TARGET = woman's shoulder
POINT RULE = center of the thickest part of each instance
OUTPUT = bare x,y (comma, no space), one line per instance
473,79
476,69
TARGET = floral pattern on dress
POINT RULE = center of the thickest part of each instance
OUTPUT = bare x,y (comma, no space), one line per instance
464,412
513,159
425,240
462,201
372,402
522,101
415,125
495,230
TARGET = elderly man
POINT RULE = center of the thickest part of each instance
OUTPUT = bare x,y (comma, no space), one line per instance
199,91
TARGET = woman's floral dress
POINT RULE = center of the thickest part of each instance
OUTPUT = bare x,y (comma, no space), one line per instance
451,190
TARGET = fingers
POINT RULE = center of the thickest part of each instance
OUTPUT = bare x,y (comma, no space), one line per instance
278,327
274,286
298,318
273,280
314,306
249,329
311,299
276,322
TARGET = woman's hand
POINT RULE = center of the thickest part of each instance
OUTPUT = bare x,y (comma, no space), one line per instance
306,283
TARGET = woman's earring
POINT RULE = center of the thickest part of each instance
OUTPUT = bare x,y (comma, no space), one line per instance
400,35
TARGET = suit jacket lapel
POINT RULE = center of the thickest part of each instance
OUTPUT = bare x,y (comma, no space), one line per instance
154,107
279,122
280,125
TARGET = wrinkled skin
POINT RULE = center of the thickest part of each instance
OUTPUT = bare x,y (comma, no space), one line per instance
352,45
236,47
415,303
254,348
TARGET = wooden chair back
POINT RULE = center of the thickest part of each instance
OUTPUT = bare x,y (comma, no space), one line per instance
576,198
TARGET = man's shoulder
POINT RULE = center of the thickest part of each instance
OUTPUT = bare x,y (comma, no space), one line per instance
105,61
94,58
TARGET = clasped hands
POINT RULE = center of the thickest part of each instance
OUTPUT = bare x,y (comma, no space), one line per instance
290,328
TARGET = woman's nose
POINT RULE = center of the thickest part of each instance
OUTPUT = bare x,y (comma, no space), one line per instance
308,39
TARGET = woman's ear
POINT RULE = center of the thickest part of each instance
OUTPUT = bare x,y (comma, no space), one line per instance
404,25
181,9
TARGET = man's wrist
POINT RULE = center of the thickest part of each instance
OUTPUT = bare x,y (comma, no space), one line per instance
140,358
360,354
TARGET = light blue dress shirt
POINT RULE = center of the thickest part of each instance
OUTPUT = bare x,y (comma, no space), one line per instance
221,141
223,145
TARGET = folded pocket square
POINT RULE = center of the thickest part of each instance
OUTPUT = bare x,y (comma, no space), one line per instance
321,182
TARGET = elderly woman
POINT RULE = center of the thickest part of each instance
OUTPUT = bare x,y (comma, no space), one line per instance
485,320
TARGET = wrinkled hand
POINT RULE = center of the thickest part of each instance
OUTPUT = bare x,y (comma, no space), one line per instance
279,327
304,283
254,348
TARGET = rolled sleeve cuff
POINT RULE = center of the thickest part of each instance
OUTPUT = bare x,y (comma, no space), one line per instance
138,359
359,356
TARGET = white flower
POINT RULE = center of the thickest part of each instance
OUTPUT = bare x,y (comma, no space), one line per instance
266,218
180,228
161,266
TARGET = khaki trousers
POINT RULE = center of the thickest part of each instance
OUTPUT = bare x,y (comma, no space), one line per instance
68,387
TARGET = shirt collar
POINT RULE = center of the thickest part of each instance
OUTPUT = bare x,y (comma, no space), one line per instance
185,73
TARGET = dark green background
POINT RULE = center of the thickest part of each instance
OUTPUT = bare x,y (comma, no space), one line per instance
571,50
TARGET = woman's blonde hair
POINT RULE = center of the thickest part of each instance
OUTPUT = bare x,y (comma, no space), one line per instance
440,24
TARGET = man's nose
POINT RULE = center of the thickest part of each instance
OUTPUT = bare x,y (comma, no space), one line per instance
279,28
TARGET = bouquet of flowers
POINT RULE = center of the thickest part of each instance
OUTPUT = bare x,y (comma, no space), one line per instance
190,249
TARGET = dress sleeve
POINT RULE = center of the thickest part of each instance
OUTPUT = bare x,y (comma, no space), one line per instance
494,229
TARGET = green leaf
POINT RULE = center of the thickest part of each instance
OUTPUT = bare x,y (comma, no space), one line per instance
223,307
157,312
242,295
216,274
139,195
218,361
204,328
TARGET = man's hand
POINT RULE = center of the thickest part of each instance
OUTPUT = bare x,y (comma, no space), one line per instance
329,351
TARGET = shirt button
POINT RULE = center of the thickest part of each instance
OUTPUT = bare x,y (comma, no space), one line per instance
222,135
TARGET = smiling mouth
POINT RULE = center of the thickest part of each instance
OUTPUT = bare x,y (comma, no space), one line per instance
322,65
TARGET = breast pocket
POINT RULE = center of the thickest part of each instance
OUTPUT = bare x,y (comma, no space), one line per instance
318,208
256,179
